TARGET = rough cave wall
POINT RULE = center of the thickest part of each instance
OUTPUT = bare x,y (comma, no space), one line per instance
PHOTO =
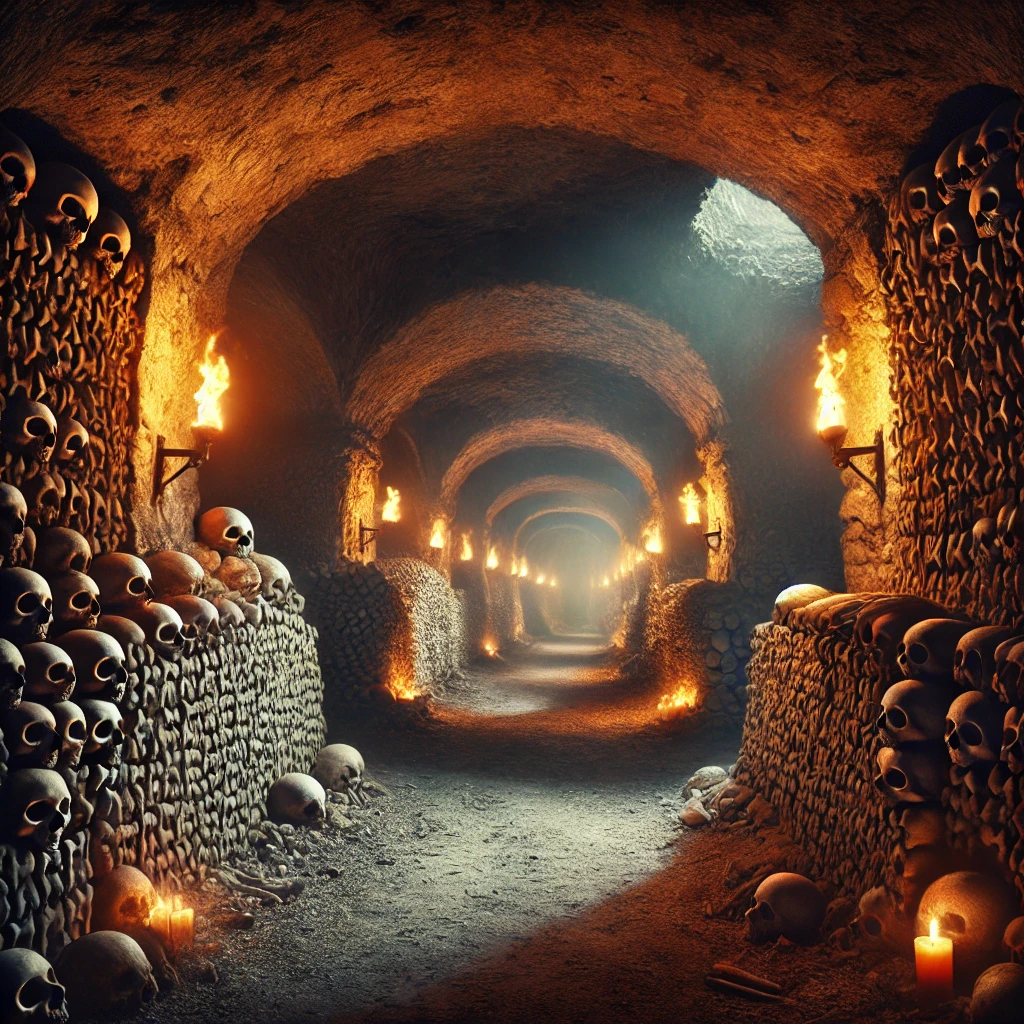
506,617
204,738
72,343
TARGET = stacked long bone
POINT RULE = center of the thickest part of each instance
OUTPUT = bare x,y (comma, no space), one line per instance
949,696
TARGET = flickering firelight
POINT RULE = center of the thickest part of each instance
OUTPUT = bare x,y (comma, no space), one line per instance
492,558
675,704
391,513
216,380
831,417
690,501
437,534
652,541
467,548
933,954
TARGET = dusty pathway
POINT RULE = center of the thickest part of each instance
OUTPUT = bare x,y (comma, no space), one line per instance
544,789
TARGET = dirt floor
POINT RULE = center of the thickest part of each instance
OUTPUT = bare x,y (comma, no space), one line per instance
523,865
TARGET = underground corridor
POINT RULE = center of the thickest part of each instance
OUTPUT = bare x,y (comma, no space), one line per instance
511,512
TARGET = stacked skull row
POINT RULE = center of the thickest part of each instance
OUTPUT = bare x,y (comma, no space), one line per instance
955,282
62,202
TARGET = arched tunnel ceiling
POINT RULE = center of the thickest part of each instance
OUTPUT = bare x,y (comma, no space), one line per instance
556,487
510,388
588,521
531,319
602,501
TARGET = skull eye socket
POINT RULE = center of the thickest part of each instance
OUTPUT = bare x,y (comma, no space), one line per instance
75,731
14,168
27,604
311,810
190,631
80,563
917,653
895,779
38,811
989,201
918,199
105,668
111,244
971,734
896,717
137,586
72,208
103,731
35,733
975,155
168,634
82,601
37,426
997,141
74,443
58,672
233,532
947,236
34,993
871,925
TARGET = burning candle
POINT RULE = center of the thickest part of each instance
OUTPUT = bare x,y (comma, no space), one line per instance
183,928
160,922
934,956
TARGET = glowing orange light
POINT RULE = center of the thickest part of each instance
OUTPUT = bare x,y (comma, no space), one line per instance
437,534
490,649
514,569
553,582
677,703
605,582
691,505
652,541
524,569
467,549
831,418
403,689
492,558
216,379
540,579
391,513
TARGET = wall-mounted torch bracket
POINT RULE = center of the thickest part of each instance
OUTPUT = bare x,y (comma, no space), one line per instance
713,538
841,460
366,535
195,457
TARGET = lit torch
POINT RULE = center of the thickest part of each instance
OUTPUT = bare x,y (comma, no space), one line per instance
676,704
524,569
690,501
467,549
216,379
492,558
831,418
514,569
437,534
652,541
391,513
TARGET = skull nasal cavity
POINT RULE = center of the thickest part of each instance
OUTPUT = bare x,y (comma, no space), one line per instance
917,653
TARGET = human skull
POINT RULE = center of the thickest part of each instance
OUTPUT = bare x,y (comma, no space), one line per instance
108,241
276,581
99,663
954,229
974,728
229,615
910,775
17,168
35,807
124,580
28,429
296,799
49,673
881,923
998,995
72,732
915,710
174,573
106,974
920,194
123,900
985,543
44,493
339,767
995,198
974,663
227,531
104,732
929,647
26,606
972,909
786,905
1008,679
124,631
13,515
998,135
29,990
239,574
971,157
72,440
1012,749
1013,940
63,203
30,735
76,602
198,615
1010,531
792,598
922,826
61,550
12,674
948,173
889,616
162,626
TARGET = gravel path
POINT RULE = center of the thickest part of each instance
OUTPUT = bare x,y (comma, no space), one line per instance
542,788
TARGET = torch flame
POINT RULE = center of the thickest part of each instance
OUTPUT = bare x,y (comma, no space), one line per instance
677,703
540,579
490,648
605,582
514,569
403,689
492,558
216,378
831,418
437,534
391,513
553,582
524,569
690,501
652,541
467,549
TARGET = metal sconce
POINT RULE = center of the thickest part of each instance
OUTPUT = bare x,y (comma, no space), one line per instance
366,535
195,457
834,437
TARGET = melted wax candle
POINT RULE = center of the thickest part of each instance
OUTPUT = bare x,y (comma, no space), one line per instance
934,956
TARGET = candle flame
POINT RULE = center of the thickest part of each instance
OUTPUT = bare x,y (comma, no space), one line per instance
216,378
492,558
652,541
467,548
391,513
933,930
437,534
690,501
831,418
677,703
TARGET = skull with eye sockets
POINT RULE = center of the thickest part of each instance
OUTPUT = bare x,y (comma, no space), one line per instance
26,606
162,626
49,675
13,517
99,664
29,990
71,731
63,203
30,735
104,733
61,550
12,675
17,168
227,531
35,808
28,429
76,602
124,581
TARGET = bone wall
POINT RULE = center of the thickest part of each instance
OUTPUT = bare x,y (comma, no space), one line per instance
204,739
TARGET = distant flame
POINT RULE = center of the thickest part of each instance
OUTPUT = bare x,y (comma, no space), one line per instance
490,649
467,549
690,501
391,513
514,570
540,579
676,704
437,535
831,418
403,689
492,558
524,569
552,582
605,582
652,541
216,378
